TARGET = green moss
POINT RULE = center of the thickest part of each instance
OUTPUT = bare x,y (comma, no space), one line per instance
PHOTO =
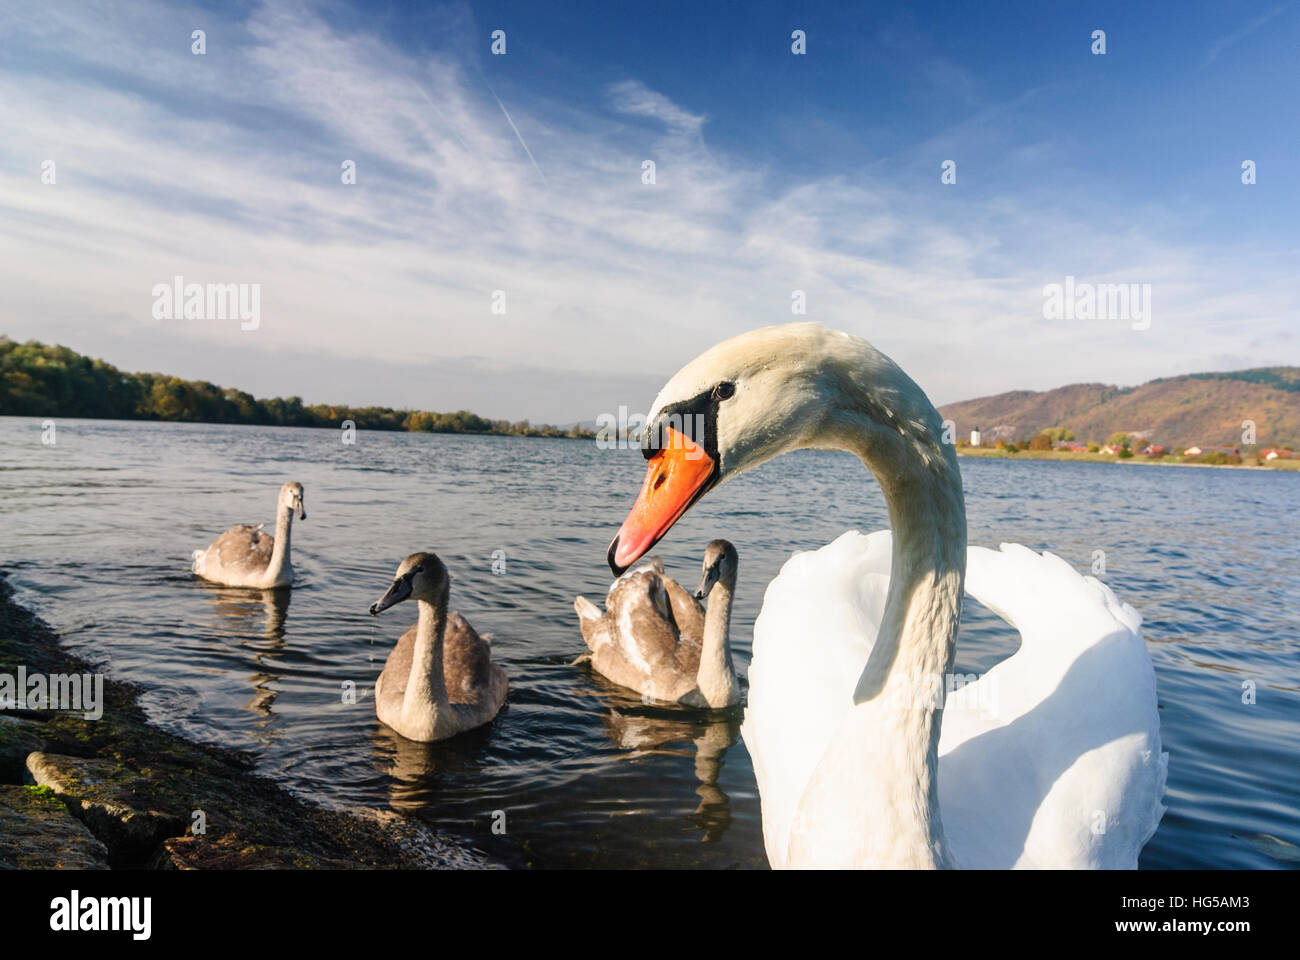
44,796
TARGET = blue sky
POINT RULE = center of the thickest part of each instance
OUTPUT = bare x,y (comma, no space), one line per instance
522,173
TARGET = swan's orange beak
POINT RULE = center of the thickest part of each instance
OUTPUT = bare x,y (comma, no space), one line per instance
674,479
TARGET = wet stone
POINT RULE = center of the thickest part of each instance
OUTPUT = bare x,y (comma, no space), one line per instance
38,833
110,799
18,738
231,852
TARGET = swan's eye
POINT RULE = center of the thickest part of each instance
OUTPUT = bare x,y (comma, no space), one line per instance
724,391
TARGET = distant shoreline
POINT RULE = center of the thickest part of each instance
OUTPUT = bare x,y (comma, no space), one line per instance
36,379
988,454
298,426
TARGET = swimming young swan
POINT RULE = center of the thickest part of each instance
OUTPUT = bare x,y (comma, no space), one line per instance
1052,759
246,556
440,679
655,639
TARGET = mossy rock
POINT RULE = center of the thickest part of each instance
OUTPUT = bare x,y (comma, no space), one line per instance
18,738
136,787
111,800
38,833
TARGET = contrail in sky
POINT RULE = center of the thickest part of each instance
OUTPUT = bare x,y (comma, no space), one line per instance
520,136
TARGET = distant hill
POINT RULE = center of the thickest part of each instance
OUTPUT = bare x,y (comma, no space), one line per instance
1199,408
37,380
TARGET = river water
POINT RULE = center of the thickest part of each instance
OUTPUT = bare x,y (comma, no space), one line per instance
99,527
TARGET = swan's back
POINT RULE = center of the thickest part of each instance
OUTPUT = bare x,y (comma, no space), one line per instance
650,637
1052,759
239,555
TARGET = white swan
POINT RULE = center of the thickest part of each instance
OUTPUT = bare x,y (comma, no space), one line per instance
1052,759
440,679
654,638
247,556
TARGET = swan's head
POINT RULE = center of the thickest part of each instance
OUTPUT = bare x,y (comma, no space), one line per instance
762,394
421,576
291,498
720,564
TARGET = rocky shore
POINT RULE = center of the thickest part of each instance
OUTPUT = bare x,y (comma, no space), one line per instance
119,793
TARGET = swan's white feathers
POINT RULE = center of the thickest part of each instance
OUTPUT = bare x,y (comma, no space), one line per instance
1051,759
788,379
812,661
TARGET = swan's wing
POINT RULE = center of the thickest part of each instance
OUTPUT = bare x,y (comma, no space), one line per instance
244,548
1053,758
641,617
689,617
466,661
811,640
593,623
643,635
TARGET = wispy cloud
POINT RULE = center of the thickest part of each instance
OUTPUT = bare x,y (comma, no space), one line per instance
226,168
634,97
1241,33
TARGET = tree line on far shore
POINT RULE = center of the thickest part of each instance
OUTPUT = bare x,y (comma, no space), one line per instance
40,380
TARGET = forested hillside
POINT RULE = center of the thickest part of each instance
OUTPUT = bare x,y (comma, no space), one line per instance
38,380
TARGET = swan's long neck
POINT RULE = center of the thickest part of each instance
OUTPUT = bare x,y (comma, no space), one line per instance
426,688
717,676
900,690
280,551
873,799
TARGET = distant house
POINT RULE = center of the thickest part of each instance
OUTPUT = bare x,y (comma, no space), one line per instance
975,437
1193,452
1154,450
1111,449
1276,453
1197,451
1070,446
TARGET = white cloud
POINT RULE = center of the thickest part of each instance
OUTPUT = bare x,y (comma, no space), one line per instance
225,168
634,97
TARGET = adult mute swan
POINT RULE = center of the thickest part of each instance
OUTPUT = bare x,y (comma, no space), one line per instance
247,556
1052,759
655,639
440,679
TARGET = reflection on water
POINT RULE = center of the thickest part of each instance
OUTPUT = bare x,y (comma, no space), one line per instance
575,771
708,739
255,618
414,770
